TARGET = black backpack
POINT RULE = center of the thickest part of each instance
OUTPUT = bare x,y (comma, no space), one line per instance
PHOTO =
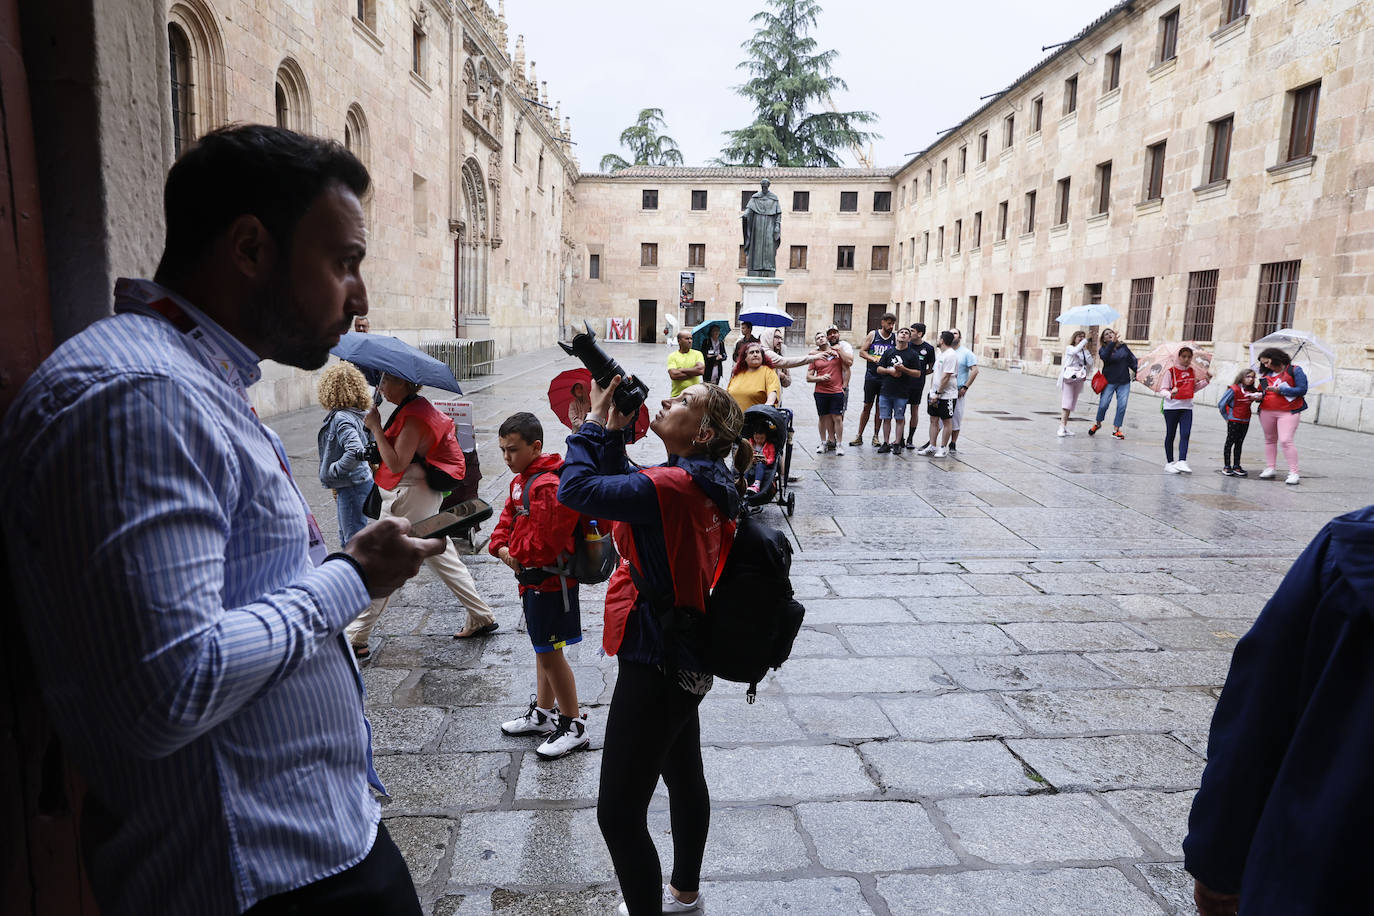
751,617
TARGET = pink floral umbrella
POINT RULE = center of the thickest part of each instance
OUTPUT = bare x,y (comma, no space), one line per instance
1154,365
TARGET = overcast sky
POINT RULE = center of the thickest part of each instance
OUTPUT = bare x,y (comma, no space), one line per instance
919,66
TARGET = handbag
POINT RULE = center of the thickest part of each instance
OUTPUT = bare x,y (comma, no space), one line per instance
1099,383
372,506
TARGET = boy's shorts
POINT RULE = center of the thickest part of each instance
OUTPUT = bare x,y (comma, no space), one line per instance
889,407
549,625
940,408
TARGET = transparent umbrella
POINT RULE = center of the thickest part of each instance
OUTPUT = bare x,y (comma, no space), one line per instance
1095,314
1317,360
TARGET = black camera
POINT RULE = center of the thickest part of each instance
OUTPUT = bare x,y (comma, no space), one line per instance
632,392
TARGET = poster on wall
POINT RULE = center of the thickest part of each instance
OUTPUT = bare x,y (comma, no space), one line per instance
687,283
620,329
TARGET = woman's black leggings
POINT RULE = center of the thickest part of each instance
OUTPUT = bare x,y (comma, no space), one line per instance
1235,438
652,729
1178,421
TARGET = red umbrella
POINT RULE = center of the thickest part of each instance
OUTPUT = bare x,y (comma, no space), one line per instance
570,397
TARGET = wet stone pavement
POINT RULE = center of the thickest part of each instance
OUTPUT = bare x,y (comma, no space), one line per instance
999,702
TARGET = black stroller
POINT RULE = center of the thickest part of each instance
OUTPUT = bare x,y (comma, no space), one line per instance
776,424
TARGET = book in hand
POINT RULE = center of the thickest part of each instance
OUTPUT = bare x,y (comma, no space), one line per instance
454,521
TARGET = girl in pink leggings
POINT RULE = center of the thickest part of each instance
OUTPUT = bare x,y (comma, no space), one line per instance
1284,386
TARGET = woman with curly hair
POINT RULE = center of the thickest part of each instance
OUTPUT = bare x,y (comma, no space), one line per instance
342,443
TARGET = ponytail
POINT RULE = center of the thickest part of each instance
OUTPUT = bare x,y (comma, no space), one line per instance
744,459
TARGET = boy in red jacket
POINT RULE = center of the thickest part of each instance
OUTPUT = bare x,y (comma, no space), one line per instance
530,542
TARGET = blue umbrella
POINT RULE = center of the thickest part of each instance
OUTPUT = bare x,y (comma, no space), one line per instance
395,357
1089,315
763,317
701,333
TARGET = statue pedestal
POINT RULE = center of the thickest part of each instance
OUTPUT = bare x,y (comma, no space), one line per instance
759,294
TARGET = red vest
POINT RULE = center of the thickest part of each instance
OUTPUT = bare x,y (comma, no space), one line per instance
445,454
1240,403
1275,401
1184,382
698,537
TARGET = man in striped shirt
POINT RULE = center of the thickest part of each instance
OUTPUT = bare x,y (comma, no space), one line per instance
172,586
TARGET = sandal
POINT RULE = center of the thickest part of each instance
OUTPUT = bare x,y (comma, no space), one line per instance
361,652
480,631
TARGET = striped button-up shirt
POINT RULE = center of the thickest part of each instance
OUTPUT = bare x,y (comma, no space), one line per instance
187,650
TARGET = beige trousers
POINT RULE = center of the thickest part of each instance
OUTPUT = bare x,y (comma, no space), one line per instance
414,500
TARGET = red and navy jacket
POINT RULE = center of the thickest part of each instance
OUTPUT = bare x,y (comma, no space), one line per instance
684,510
1234,405
537,539
445,453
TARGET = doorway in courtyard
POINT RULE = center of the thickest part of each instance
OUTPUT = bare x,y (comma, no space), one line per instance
648,320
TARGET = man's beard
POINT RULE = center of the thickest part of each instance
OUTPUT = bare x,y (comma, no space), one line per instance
276,319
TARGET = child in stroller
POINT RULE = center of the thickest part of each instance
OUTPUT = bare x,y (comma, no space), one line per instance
768,428
764,468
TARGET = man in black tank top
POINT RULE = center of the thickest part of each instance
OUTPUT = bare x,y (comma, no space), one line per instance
875,345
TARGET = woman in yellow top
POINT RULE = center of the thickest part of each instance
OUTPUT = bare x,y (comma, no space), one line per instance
753,382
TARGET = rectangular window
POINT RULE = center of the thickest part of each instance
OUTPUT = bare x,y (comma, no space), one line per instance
1303,127
1220,141
1037,114
696,255
1002,209
1111,69
915,190
912,248
880,255
978,229
1201,306
1061,202
698,200
1092,293
922,319
743,259
648,254
953,311
744,199
844,257
594,267
901,255
1104,187
1053,308
1138,311
963,159
1154,172
925,246
419,203
939,243
1008,131
795,336
843,316
849,201
882,201
1071,94
983,147
1232,10
996,330
875,315
944,172
797,258
694,313
417,52
737,310
928,174
801,201
648,200
1168,35
935,313
972,320
901,196
1277,303
958,234
1030,211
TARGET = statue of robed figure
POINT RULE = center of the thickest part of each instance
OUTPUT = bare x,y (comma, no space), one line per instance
762,221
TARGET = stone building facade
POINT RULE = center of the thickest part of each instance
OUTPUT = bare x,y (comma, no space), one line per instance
1207,168
639,229
470,164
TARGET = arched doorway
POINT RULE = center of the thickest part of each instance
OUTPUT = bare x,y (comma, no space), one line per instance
470,251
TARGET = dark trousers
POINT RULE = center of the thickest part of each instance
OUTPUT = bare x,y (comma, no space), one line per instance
379,885
651,730
1235,438
762,474
1178,421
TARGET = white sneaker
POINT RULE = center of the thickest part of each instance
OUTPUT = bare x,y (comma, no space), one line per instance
1069,432
1063,431
1293,478
1183,467
839,449
820,449
673,905
1171,467
535,721
1267,474
570,735
925,450
939,453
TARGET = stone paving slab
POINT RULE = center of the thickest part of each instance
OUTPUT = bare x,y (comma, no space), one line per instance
1060,892
951,715
1038,829
874,836
912,769
1024,672
1111,710
927,639
1111,762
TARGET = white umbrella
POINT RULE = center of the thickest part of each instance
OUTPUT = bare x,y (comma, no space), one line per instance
1317,360
1095,314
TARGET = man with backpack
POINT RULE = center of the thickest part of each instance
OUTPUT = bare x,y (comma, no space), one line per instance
535,535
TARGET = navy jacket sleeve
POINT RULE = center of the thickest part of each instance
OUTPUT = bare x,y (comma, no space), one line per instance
1225,402
1253,725
597,480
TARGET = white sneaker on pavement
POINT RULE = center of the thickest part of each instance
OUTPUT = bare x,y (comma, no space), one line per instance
673,905
1063,431
839,450
1293,478
570,735
1183,467
535,721
820,449
1267,474
1171,467
939,453
925,450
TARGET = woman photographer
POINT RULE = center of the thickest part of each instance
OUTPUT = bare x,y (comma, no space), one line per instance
673,524
418,447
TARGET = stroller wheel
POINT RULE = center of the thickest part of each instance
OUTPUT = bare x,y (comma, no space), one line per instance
791,503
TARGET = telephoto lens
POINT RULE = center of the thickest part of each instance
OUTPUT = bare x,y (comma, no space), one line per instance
632,392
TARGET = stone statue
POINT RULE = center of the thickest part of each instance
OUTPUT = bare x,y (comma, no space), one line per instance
762,221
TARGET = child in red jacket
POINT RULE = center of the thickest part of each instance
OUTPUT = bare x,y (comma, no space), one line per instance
529,542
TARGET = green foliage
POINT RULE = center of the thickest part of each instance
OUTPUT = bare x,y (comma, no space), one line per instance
645,142
787,75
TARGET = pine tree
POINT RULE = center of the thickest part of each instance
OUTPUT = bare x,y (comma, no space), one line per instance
645,143
788,74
